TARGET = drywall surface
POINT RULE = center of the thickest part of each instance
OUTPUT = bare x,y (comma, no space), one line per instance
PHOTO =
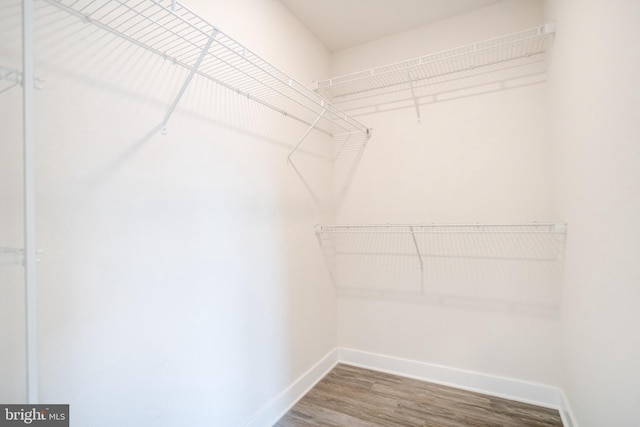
12,307
476,157
181,283
596,110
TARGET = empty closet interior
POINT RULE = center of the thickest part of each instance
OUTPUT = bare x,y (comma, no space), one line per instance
207,205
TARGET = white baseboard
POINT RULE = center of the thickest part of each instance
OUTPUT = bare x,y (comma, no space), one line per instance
568,417
508,388
269,414
522,391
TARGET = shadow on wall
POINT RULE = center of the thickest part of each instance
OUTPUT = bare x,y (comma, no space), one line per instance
347,151
516,268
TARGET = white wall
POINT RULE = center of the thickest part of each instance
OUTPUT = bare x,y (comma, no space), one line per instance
12,333
182,283
484,158
596,110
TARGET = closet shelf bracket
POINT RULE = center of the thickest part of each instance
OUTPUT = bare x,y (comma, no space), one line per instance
187,81
301,140
416,104
415,244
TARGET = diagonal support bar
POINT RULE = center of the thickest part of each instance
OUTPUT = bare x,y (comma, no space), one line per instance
313,125
415,99
192,72
415,243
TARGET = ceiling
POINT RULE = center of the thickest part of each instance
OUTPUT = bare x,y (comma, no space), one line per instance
340,24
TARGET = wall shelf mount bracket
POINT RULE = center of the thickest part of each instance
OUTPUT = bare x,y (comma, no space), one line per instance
308,131
192,73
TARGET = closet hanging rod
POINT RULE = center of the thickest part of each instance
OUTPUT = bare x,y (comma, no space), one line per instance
174,32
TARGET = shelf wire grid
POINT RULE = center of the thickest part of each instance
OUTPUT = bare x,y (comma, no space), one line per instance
441,66
174,32
509,263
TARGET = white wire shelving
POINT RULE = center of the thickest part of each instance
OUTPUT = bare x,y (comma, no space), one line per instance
464,65
515,263
171,30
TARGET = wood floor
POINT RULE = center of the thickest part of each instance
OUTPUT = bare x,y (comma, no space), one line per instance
350,396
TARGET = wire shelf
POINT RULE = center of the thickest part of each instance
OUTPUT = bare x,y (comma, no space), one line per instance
174,32
511,263
442,66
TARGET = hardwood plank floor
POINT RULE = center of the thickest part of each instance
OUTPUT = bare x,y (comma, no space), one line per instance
356,397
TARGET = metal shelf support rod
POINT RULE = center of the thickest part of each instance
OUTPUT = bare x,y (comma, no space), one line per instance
192,72
415,99
313,125
415,243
